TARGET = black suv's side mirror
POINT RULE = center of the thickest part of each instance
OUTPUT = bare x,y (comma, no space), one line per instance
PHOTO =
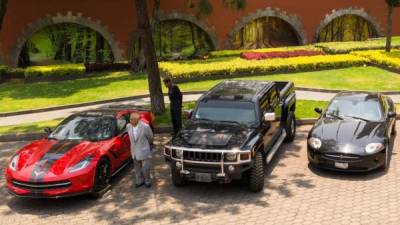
392,114
47,130
188,113
318,110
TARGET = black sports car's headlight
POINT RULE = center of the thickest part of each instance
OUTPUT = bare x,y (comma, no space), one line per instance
81,164
14,163
374,148
315,143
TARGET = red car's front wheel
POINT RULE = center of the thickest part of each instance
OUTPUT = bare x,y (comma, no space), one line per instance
102,176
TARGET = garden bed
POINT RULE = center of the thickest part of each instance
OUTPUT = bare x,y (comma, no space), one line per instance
347,47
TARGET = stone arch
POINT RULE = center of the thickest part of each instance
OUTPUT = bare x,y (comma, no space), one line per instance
336,13
185,17
292,20
49,20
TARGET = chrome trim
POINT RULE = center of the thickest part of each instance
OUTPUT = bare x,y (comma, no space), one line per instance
276,146
342,156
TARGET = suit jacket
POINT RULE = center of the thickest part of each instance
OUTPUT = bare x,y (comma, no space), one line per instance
141,145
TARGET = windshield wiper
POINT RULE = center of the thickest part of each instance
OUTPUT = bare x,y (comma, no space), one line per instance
334,115
358,118
234,122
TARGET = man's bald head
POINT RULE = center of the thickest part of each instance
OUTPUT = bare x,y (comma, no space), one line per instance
134,118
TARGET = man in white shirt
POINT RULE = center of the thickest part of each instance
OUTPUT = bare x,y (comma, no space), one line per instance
141,138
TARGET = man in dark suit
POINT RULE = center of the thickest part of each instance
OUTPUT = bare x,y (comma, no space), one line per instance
175,98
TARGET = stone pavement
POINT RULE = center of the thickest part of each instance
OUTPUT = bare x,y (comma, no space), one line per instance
45,116
294,194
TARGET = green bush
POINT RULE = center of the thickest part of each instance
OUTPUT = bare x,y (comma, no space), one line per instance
347,47
381,58
54,70
3,69
236,66
236,53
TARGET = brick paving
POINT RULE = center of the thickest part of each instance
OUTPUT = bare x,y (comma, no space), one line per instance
294,194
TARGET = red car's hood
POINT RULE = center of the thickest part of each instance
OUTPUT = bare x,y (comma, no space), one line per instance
51,158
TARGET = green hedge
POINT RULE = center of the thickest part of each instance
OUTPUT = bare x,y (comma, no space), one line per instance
54,70
381,58
236,53
3,69
236,66
347,47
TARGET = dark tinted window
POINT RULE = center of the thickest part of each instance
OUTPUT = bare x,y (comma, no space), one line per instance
368,109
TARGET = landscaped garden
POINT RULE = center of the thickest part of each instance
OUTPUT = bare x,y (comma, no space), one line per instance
344,66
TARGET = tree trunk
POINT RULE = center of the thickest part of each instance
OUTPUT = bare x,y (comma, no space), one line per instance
389,28
156,95
3,9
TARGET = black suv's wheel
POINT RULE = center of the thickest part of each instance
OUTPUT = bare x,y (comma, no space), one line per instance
177,179
102,178
257,173
290,127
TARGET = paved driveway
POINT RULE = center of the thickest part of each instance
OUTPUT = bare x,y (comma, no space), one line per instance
294,194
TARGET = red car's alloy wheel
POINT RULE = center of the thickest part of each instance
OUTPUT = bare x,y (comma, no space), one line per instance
103,174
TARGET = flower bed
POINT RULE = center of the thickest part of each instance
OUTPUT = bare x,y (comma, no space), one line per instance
54,70
347,47
236,53
237,66
271,55
381,58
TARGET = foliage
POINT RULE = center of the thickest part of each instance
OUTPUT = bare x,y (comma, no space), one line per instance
346,47
3,69
236,53
271,55
55,70
98,67
235,66
347,28
389,59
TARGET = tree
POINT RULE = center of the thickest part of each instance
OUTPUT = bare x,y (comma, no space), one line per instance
3,9
153,73
390,4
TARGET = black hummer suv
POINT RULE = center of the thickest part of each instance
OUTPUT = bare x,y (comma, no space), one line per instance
233,133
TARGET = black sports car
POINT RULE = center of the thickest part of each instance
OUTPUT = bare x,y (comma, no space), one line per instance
354,133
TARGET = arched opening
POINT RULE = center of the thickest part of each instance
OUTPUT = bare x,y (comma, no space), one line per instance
265,32
177,39
65,43
347,28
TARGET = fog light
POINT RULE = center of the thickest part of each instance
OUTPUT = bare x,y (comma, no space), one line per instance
231,168
178,165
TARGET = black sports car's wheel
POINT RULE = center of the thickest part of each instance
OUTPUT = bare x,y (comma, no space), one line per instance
177,179
386,165
102,177
257,173
290,127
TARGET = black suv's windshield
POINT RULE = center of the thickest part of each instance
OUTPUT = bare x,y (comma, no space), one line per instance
226,111
93,128
359,109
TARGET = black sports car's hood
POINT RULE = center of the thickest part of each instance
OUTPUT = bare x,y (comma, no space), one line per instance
212,136
342,135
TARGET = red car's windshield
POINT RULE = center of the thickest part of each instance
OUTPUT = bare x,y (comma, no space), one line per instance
93,128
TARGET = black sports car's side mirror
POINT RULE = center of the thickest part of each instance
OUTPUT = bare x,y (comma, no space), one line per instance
392,114
318,110
48,130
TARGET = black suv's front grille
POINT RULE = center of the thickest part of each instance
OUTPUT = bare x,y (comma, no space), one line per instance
202,156
37,186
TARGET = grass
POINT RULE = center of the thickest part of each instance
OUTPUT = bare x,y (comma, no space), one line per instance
305,109
21,96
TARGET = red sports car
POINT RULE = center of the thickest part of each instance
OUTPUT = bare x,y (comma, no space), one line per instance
78,157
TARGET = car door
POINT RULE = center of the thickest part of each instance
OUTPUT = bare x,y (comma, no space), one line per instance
121,146
269,128
388,106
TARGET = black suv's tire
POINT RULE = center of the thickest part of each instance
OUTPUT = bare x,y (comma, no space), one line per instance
290,127
177,179
257,173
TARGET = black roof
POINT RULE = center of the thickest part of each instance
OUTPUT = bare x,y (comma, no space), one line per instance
237,90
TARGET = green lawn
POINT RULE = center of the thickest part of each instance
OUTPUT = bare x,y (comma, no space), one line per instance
305,109
20,96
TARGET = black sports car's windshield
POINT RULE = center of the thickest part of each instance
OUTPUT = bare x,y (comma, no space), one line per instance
94,128
365,109
226,111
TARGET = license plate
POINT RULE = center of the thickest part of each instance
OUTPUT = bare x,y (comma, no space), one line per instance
203,177
341,165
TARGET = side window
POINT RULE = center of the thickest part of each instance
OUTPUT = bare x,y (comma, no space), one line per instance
121,123
264,104
273,98
385,104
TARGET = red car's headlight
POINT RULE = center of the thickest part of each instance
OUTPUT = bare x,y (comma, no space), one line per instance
81,164
14,163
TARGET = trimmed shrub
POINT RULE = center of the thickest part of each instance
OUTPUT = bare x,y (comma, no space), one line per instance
271,55
233,66
3,70
382,58
55,70
98,67
236,53
347,47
